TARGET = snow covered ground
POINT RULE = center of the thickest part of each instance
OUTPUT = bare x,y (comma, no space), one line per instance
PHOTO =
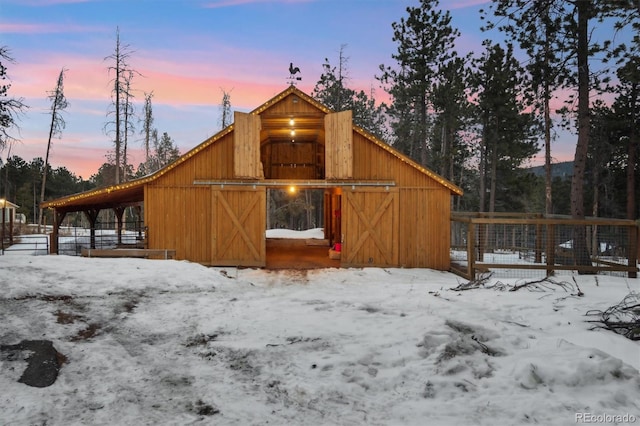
172,342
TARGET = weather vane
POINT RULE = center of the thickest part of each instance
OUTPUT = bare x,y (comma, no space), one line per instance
292,74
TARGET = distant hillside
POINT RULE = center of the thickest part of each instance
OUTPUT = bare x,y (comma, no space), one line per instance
562,170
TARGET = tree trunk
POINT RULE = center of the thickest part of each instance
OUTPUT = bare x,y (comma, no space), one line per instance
494,173
548,199
46,158
581,254
423,130
46,168
482,174
117,89
631,163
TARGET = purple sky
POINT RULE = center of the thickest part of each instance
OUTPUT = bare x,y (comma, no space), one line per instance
187,52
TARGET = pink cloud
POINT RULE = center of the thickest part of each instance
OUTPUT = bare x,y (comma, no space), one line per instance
39,28
51,2
461,4
230,3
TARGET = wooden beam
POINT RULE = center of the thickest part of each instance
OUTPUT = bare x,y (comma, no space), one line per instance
141,253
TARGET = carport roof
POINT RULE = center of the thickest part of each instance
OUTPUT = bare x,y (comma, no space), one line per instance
128,194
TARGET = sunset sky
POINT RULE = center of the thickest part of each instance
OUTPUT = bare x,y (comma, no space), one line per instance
187,53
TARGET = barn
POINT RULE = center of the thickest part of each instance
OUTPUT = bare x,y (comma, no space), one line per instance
210,205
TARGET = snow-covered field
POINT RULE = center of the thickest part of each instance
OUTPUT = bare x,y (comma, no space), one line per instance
172,342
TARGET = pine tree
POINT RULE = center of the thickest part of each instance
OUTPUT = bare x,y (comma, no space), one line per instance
332,91
166,151
536,27
426,42
226,116
147,128
506,129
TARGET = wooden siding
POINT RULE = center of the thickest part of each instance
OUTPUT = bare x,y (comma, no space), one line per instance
239,226
339,154
289,104
370,220
424,205
424,234
371,162
179,218
215,162
405,225
287,160
246,146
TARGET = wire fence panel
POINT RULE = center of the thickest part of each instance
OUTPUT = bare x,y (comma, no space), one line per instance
71,240
520,246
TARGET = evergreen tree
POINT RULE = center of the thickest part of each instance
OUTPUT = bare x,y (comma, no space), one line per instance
425,41
226,116
166,151
452,111
147,129
332,91
507,139
25,180
536,27
627,108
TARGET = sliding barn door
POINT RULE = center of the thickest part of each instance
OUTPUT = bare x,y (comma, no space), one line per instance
370,227
239,223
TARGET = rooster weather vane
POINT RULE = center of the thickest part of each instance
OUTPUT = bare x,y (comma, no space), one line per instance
293,71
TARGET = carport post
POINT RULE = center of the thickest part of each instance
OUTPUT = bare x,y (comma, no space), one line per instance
53,237
92,216
4,203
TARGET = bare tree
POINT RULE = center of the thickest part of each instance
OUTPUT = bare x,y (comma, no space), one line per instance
127,114
10,108
121,97
58,104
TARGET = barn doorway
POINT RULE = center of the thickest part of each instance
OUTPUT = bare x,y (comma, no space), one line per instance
301,227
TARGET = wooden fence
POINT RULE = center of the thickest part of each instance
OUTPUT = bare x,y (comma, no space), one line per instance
483,242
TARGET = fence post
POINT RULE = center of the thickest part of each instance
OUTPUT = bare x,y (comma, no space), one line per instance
53,237
633,250
551,249
538,244
471,252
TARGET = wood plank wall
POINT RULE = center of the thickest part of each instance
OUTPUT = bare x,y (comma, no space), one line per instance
339,153
246,146
286,160
213,162
424,234
424,206
179,218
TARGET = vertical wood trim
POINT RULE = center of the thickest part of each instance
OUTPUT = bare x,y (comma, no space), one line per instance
338,128
246,146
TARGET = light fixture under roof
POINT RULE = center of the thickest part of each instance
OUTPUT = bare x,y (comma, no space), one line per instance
291,121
